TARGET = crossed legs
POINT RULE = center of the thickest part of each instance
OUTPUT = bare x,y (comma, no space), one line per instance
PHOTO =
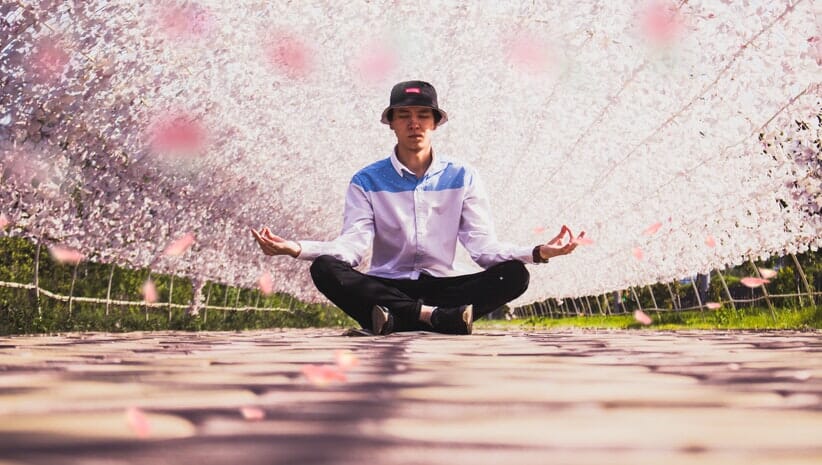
356,293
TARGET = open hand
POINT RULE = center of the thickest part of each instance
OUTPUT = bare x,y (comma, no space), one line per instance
272,244
555,247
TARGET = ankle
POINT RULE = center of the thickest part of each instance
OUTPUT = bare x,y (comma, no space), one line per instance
425,314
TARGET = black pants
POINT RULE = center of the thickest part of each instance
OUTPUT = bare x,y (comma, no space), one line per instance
356,293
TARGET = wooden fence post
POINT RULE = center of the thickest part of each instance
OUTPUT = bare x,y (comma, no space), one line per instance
37,279
208,297
170,292
764,290
71,289
653,297
636,298
804,279
108,293
698,299
727,291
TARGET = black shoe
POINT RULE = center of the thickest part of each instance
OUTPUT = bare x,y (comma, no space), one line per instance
455,320
382,321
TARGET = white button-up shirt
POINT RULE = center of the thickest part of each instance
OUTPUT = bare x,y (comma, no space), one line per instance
413,224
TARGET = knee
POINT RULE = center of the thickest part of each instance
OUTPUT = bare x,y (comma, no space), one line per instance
322,267
517,275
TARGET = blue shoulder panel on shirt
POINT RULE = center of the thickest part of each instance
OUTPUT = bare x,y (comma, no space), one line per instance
452,177
381,177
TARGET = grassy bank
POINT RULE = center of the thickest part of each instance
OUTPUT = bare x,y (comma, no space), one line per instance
805,318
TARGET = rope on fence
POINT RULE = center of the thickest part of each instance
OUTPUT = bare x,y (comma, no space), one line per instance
732,302
64,298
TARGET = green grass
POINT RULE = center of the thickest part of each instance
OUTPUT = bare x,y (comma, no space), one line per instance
806,318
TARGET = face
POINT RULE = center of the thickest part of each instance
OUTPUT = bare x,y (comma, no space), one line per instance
413,127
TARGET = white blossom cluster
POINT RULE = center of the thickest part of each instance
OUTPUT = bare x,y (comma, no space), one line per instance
681,136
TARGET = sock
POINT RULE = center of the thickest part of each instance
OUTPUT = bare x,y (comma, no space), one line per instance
425,313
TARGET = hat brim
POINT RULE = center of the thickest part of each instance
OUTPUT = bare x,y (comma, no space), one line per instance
384,118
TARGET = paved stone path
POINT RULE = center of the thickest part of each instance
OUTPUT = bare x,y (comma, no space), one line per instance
558,397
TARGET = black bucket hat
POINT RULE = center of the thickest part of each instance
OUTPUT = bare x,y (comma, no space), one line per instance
414,94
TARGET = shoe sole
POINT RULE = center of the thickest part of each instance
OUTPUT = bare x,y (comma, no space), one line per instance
468,319
379,317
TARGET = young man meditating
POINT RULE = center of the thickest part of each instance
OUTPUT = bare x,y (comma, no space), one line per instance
411,208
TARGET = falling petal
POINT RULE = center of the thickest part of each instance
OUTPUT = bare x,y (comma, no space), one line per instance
138,422
539,230
734,366
661,22
4,221
177,135
642,318
638,254
48,60
713,305
528,53
66,255
266,283
803,375
322,375
376,62
149,292
252,413
346,359
652,229
179,246
767,273
753,282
583,241
188,21
710,242
289,55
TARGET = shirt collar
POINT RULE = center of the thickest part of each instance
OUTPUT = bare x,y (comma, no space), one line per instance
437,164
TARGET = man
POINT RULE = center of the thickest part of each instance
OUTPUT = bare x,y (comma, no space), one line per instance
411,208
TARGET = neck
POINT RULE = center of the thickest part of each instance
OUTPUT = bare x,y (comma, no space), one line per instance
417,161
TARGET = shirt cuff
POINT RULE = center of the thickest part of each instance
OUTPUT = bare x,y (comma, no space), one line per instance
536,257
309,250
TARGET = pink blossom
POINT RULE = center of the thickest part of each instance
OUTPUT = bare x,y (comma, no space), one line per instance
582,241
652,229
753,282
529,53
638,253
149,292
661,22
642,317
138,422
289,55
713,305
180,245
252,413
66,255
48,60
186,21
4,221
710,242
322,375
376,62
177,134
767,273
346,359
266,283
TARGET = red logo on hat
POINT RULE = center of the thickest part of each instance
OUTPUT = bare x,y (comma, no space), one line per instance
412,90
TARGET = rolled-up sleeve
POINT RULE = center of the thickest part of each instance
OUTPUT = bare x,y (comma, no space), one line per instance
357,232
476,231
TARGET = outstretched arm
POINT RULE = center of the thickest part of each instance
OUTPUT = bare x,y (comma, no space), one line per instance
272,244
